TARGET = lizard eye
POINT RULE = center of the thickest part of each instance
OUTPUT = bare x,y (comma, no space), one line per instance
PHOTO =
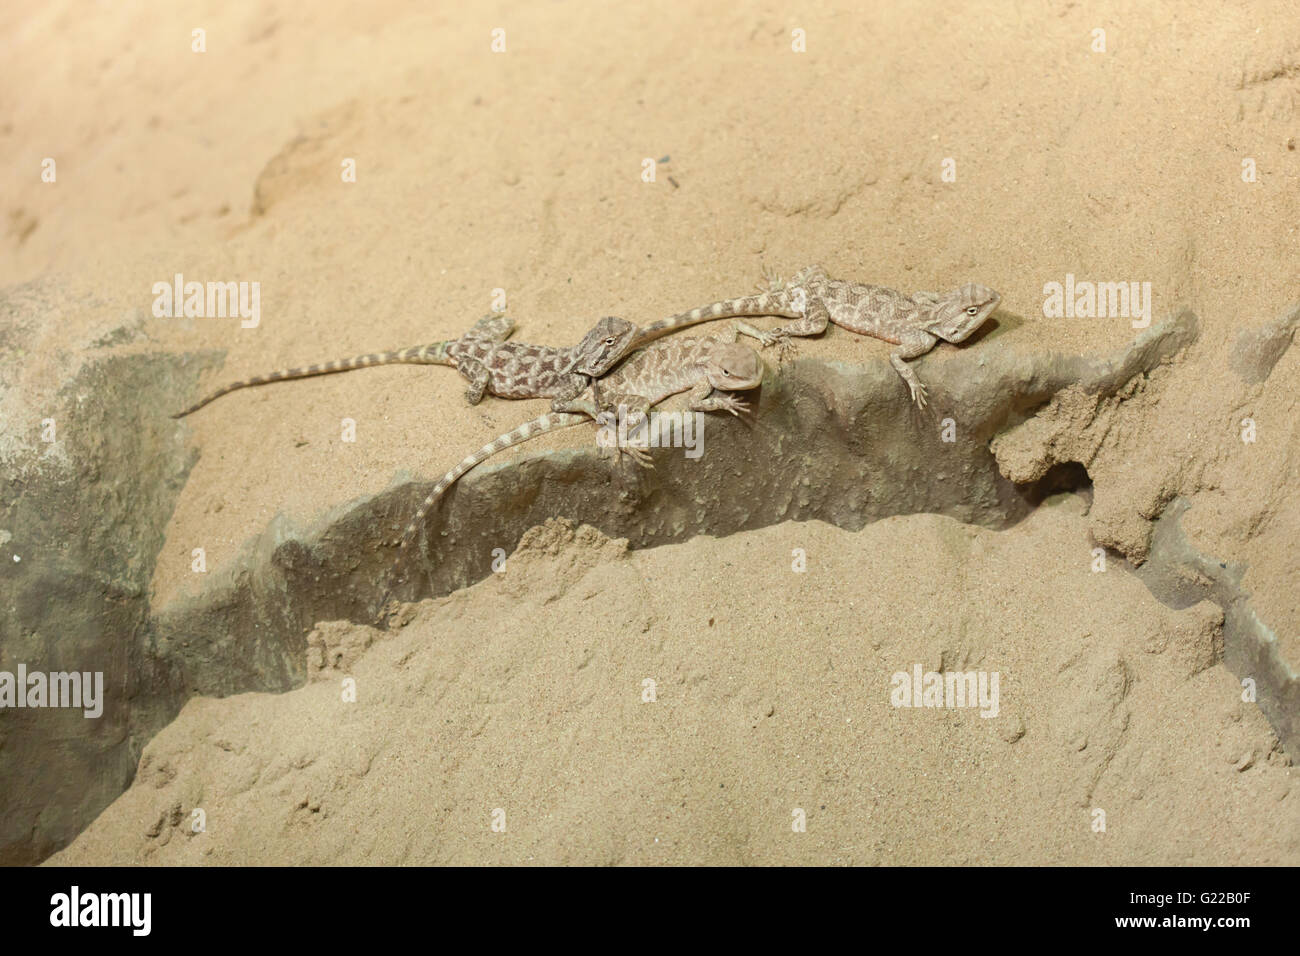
972,310
609,341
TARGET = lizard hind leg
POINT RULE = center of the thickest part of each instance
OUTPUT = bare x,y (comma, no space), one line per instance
638,456
622,452
807,275
780,337
479,378
493,328
770,281
638,427
815,319
623,421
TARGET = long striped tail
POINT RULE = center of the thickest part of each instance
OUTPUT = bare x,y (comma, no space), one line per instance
433,354
550,422
778,303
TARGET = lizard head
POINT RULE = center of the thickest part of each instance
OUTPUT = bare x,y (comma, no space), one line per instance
959,313
602,347
734,367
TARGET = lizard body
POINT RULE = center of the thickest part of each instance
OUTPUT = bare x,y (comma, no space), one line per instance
915,323
702,366
492,364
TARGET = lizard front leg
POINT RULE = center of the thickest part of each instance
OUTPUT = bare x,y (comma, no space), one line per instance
911,345
566,399
705,398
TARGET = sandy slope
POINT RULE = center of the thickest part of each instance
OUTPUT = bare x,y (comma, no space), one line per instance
772,694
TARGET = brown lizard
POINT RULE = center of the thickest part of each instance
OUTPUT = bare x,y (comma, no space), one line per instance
915,323
710,368
492,364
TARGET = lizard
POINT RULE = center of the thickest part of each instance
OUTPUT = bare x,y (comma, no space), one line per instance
915,323
711,368
492,364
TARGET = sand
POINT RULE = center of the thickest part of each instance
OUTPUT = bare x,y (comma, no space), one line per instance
522,171
523,699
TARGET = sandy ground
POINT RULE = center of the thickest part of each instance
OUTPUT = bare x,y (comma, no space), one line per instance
522,171
523,699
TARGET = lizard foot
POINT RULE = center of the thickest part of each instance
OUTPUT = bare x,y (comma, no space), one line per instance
785,349
771,282
728,402
918,393
638,455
